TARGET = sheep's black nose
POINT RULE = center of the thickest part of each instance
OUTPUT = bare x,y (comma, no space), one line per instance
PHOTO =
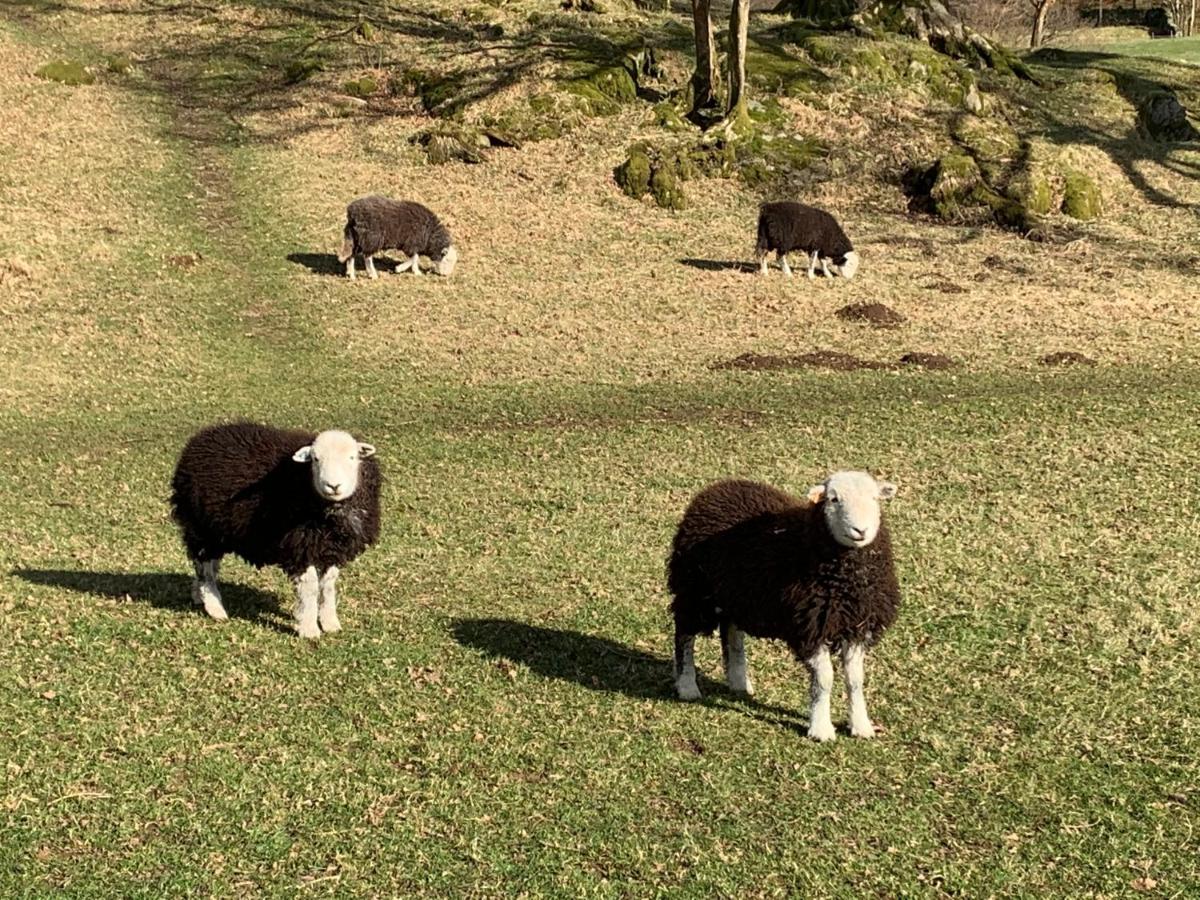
332,488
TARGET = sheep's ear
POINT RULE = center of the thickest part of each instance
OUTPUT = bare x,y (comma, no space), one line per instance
816,493
365,450
887,490
303,455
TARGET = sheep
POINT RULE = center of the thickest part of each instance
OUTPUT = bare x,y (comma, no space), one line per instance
375,223
816,573
786,226
307,503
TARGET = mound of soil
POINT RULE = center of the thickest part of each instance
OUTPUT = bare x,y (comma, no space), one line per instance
875,314
1066,358
928,361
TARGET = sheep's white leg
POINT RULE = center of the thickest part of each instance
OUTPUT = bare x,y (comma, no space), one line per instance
685,667
812,264
370,266
853,656
416,265
350,268
820,722
733,650
306,603
204,589
762,264
825,269
404,266
783,263
327,609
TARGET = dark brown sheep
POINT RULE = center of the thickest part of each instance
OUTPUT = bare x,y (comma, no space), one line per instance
375,224
787,226
815,573
305,502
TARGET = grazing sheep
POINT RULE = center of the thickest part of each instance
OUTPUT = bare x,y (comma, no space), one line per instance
815,573
375,224
308,503
786,226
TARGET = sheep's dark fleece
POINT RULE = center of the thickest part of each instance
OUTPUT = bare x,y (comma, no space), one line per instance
749,555
375,224
786,226
237,489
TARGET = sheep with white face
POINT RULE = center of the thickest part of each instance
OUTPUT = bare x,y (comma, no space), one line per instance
334,457
852,506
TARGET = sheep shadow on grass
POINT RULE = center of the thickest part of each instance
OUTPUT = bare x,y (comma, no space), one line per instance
599,664
165,590
719,265
327,264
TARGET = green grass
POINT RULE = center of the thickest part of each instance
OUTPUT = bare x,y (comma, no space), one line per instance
1180,49
497,718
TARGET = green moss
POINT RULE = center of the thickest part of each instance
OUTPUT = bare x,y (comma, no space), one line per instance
66,71
298,70
119,64
633,175
771,69
1081,197
366,31
1032,189
992,143
668,117
605,90
665,188
824,49
360,87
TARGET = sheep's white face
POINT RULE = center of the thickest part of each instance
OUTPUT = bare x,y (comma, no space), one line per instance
445,265
851,503
334,457
850,266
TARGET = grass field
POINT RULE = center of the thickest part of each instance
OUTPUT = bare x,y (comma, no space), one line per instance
497,717
1183,50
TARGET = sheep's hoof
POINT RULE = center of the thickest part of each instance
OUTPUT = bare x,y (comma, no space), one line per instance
308,630
688,692
213,607
822,733
865,732
330,624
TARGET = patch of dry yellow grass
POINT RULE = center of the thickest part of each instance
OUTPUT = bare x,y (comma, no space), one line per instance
562,276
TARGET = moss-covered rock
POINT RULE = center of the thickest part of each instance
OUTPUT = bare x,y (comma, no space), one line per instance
367,31
360,87
604,90
66,71
1081,197
633,175
119,64
666,190
668,117
1033,190
991,143
298,70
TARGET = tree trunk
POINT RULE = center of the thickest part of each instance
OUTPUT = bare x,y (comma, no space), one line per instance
739,25
1039,23
704,79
